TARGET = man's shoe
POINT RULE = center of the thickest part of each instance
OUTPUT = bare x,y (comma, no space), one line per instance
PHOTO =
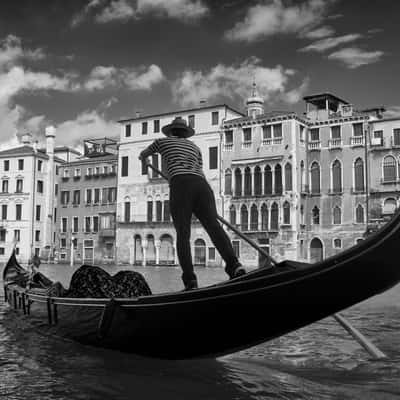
239,271
235,271
191,285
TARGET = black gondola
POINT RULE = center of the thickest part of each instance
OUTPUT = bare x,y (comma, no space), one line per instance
220,319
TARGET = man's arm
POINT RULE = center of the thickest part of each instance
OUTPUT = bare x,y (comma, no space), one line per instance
148,151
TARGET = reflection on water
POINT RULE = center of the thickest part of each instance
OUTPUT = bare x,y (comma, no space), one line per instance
317,362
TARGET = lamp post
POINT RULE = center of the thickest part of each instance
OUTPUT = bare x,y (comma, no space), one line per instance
72,251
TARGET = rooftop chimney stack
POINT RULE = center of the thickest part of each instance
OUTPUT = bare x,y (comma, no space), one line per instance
26,139
50,133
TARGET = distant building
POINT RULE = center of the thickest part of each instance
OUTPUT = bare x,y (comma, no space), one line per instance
145,233
87,193
28,198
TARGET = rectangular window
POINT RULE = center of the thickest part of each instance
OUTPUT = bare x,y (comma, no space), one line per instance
64,224
213,153
277,130
156,125
95,223
39,165
88,196
158,211
358,129
335,132
127,130
144,166
236,247
124,166
97,171
75,224
17,235
19,186
87,224
37,251
144,128
38,208
314,134
267,132
89,171
247,135
191,121
302,130
63,243
154,163
149,211
104,195
4,211
167,212
96,196
3,235
4,186
6,165
18,212
214,118
2,251
55,214
64,197
112,195
229,137
20,165
77,172
66,173
396,137
211,253
127,211
37,236
77,197
40,186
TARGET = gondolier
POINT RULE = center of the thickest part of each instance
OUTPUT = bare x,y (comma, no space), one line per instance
190,194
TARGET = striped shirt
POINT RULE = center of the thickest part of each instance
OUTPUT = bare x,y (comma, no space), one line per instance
180,155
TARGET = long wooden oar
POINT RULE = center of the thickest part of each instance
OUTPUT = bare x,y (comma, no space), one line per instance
357,335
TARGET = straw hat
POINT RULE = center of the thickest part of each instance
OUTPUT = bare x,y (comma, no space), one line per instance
178,127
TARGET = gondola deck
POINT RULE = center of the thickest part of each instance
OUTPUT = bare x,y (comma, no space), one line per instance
223,318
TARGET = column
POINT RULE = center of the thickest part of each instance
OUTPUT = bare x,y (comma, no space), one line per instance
175,253
273,178
157,245
251,181
144,250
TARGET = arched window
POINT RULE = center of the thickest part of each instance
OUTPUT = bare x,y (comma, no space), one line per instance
264,217
316,250
337,215
232,215
167,211
315,178
359,214
359,175
278,179
267,180
228,181
336,177
389,206
337,243
315,215
302,177
274,217
288,177
238,182
286,213
199,252
247,181
257,180
253,218
244,218
389,169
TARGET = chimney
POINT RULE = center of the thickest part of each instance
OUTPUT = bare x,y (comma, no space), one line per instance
50,133
138,114
26,139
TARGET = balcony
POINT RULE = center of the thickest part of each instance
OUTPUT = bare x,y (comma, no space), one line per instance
335,192
270,141
228,147
109,233
314,145
246,144
335,144
356,141
357,190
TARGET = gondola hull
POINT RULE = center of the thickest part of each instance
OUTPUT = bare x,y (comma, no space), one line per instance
223,318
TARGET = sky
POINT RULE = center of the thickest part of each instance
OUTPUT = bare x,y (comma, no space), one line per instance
83,65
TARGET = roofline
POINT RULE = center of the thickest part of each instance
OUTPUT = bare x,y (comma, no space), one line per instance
180,111
314,96
386,119
93,160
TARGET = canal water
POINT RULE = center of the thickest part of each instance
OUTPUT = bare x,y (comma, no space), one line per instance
319,362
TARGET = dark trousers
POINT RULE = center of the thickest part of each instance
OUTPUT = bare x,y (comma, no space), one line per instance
191,194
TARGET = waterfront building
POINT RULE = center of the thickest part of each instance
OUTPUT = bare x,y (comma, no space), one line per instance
28,198
145,233
85,224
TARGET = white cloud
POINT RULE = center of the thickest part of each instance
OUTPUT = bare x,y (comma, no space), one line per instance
392,112
331,42
319,33
269,18
354,57
104,11
232,81
89,123
141,78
